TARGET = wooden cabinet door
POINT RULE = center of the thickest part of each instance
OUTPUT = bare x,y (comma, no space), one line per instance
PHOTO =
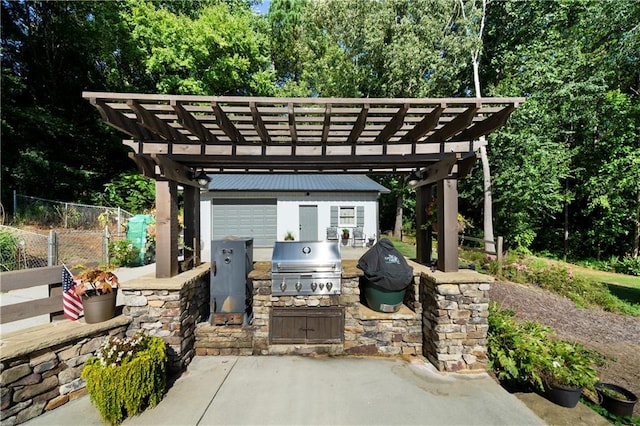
306,325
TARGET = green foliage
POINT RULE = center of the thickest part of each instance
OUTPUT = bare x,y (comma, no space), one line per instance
8,251
571,364
218,50
131,191
126,376
123,253
617,420
627,265
516,350
527,353
559,279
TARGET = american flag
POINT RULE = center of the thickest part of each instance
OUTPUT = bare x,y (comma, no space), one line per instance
71,302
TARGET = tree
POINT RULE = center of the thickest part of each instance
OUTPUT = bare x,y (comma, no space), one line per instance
220,50
52,144
470,19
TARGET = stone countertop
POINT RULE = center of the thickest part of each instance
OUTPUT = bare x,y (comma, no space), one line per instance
262,270
150,282
33,339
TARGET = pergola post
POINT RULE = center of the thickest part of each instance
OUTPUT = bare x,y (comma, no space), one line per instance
448,225
166,229
424,195
192,224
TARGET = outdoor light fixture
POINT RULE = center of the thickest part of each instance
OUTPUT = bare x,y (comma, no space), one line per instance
202,178
414,178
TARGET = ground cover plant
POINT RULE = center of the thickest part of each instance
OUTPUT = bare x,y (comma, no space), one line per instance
561,278
528,353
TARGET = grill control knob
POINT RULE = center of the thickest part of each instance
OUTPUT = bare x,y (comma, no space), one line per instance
314,286
321,286
283,286
329,285
298,286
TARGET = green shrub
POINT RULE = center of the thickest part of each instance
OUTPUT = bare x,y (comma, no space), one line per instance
628,265
516,349
123,253
527,353
126,376
8,251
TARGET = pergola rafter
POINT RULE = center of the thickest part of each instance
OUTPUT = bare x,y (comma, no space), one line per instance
241,134
173,136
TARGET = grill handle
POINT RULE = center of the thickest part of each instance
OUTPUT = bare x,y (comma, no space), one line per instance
296,267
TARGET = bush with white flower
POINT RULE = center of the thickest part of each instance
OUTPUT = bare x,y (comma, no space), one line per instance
126,376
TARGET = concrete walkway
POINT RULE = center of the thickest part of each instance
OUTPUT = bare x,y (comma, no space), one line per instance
291,390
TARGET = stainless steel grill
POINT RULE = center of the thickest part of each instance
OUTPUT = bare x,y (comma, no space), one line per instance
305,268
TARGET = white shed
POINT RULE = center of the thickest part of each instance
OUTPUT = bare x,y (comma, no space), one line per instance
268,207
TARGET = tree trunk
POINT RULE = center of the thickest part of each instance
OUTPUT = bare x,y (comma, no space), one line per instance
397,227
489,245
636,240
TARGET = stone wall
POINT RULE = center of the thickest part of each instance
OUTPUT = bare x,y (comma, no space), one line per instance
170,308
456,319
45,379
40,368
365,331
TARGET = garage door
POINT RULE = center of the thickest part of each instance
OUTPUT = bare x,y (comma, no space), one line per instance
245,218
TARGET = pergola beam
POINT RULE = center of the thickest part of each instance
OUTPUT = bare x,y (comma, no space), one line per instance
174,171
488,125
462,121
394,125
428,123
145,164
190,123
226,125
259,124
154,124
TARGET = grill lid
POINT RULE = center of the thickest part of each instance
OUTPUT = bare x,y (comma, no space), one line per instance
306,257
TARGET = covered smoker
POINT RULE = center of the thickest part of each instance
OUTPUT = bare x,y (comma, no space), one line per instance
386,276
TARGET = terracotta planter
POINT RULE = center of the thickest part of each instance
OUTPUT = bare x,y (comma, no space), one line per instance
562,395
99,308
619,407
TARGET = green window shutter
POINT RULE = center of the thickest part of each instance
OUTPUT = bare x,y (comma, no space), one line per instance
334,215
360,216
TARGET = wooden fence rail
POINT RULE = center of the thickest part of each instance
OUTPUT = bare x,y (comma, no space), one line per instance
50,276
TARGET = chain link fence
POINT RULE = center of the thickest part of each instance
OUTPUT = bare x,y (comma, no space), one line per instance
57,214
21,249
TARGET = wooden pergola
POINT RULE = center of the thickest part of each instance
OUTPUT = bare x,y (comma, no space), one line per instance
175,137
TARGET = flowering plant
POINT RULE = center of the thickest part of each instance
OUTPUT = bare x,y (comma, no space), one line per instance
126,376
95,281
116,350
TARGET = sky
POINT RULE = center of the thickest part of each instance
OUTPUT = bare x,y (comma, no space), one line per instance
263,8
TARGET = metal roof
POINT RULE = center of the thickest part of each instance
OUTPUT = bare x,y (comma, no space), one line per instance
299,182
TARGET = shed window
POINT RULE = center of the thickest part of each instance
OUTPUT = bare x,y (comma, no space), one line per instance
347,216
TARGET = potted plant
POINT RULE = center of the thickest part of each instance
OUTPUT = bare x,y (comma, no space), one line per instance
126,376
567,369
345,236
616,399
98,289
289,236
